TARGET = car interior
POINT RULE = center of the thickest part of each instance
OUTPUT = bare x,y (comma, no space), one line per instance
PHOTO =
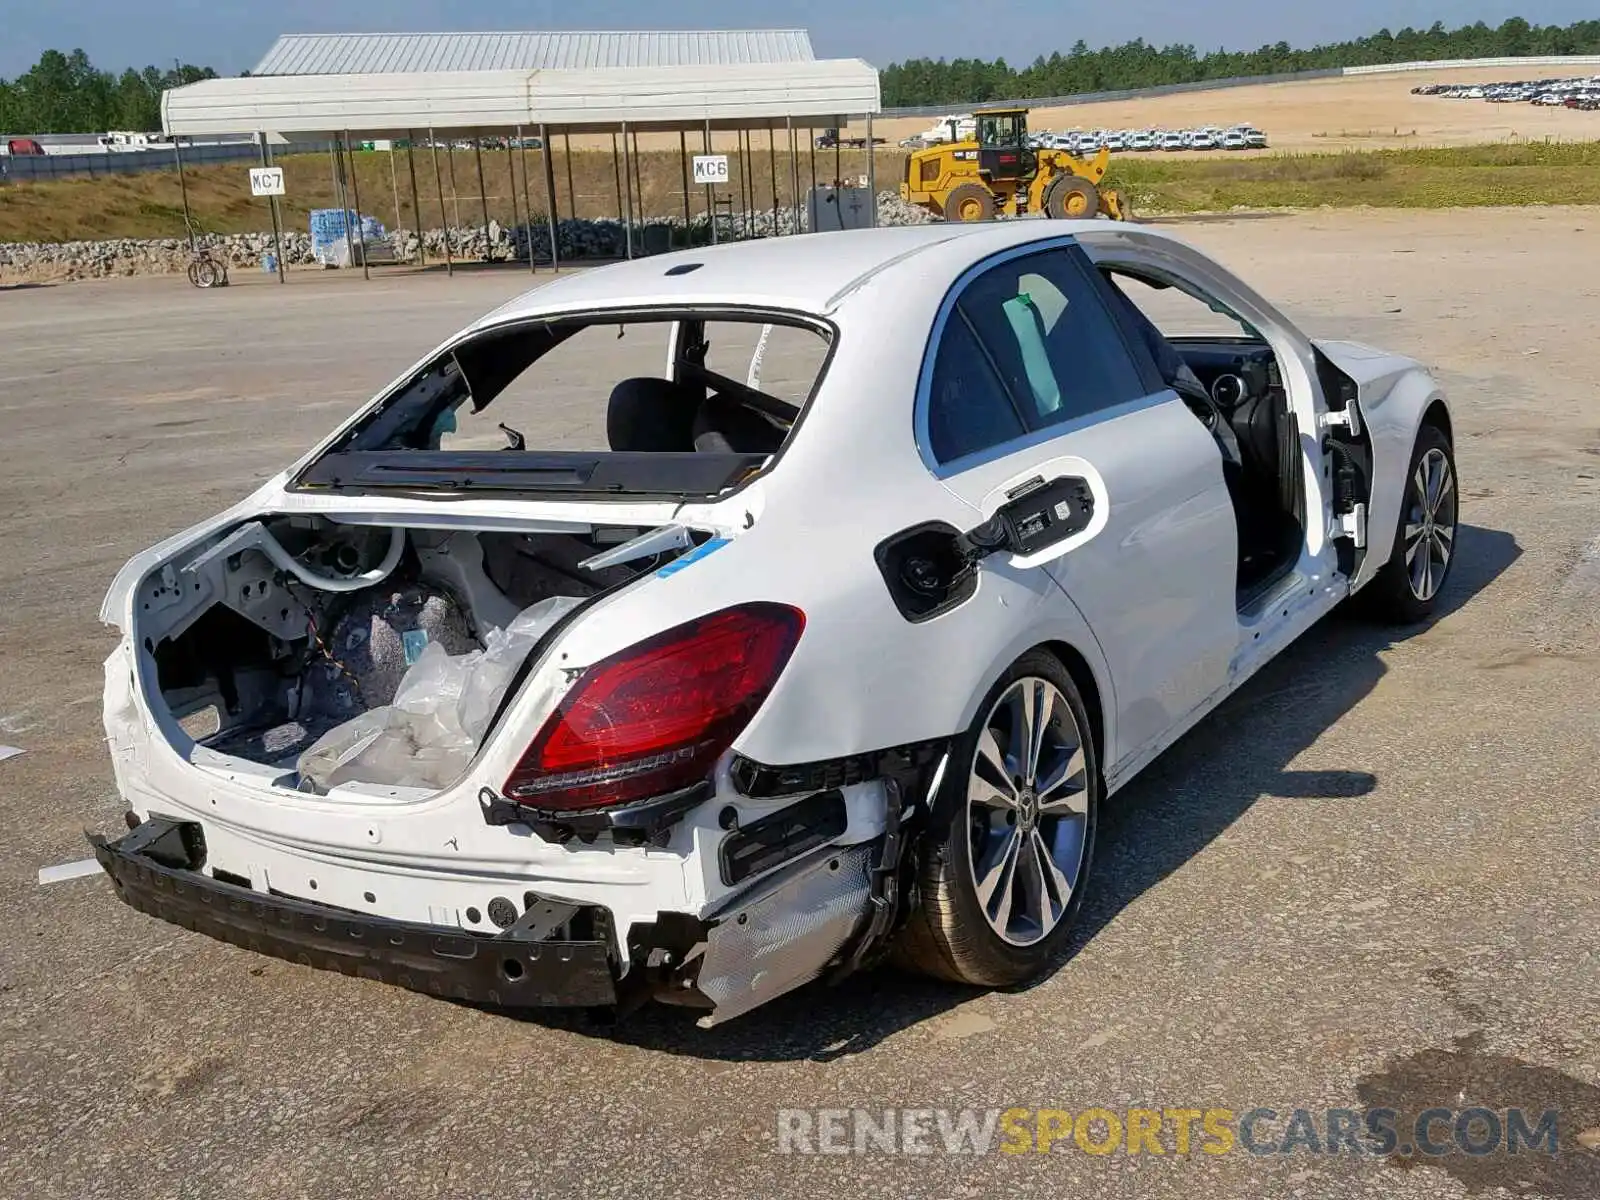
1231,381
698,409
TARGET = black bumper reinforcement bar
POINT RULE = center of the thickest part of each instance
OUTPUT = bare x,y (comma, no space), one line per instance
149,873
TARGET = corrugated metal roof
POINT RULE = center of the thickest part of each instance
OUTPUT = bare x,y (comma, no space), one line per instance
389,53
730,96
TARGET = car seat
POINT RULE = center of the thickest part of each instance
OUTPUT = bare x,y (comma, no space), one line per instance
725,426
652,416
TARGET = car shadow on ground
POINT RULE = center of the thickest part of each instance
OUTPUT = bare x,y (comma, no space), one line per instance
1174,809
1240,753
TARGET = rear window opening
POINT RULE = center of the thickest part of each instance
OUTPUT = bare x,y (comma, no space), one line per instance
334,654
659,404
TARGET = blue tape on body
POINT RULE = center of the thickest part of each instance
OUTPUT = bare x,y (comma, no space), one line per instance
695,555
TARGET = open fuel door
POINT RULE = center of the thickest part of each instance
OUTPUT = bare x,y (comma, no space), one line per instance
1038,519
931,568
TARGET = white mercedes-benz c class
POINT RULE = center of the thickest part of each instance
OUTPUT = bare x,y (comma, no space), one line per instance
699,626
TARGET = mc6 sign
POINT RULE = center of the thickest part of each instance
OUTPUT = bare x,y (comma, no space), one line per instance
710,169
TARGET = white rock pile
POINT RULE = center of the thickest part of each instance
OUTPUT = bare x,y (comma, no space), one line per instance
576,239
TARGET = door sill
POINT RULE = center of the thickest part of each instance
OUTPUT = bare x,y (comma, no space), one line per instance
1269,592
1258,597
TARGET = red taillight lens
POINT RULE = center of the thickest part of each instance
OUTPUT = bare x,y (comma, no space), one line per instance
654,718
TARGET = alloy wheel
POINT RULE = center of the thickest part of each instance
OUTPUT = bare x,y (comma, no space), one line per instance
1430,529
1027,811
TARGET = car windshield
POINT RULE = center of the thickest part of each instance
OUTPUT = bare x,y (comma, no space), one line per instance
659,403
1006,130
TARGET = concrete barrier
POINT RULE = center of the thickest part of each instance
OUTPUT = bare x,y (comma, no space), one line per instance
19,167
1472,64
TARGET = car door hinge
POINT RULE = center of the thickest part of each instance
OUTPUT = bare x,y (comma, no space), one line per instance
1352,525
1347,418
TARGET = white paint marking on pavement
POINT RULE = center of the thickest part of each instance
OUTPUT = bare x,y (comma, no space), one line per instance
9,752
71,870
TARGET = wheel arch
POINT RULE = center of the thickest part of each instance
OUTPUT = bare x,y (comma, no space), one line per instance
1077,666
1437,414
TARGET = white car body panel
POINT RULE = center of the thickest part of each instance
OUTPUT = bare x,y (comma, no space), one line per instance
1395,394
1145,594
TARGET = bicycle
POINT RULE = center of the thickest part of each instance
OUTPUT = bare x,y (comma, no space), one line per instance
207,268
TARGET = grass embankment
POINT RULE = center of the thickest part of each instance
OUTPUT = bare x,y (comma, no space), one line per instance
1461,177
150,205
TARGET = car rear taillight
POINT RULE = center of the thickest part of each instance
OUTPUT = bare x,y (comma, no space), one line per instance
654,718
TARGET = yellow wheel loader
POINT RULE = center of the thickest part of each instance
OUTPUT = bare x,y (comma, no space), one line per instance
996,172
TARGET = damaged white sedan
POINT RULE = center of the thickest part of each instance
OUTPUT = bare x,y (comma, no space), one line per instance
700,626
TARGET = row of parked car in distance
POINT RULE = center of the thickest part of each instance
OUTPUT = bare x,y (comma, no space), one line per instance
1582,92
1207,137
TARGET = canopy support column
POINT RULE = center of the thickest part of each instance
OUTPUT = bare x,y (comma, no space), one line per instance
550,195
627,174
394,186
438,182
516,221
483,198
794,173
872,178
272,203
616,171
454,220
772,157
416,208
746,184
566,155
355,187
683,168
711,196
638,179
341,189
527,194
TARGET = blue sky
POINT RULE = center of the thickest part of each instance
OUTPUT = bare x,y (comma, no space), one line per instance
231,35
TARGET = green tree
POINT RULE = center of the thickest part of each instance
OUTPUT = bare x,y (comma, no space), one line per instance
1137,64
65,93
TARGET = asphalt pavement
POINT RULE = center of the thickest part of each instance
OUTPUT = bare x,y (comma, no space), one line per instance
1368,882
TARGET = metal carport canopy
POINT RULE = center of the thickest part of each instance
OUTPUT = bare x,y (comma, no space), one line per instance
729,96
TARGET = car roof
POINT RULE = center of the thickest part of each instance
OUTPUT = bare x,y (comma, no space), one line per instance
807,273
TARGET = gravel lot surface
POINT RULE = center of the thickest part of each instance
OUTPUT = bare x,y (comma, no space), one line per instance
1370,880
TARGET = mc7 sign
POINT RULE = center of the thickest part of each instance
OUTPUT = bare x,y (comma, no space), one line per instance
266,181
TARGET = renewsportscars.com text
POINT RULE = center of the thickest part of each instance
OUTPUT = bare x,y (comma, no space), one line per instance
1433,1132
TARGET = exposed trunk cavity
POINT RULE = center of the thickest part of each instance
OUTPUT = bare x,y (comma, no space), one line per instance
340,653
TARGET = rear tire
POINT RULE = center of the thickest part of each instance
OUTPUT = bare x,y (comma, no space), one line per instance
1071,197
969,202
1006,856
1406,588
